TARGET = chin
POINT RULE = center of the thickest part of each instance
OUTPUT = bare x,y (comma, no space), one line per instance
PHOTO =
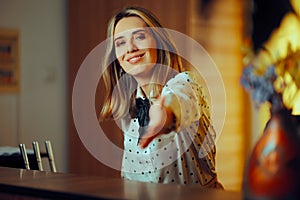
141,70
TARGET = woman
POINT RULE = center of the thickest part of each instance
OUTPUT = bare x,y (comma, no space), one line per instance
168,137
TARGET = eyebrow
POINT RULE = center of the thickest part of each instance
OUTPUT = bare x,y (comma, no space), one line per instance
134,32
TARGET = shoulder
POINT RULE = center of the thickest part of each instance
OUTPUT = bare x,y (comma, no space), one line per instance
186,76
187,83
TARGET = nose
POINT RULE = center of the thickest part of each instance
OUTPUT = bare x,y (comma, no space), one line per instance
131,47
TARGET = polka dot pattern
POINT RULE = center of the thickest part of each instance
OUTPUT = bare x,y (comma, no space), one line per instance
186,156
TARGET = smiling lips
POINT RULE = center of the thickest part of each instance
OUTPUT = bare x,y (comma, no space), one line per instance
135,58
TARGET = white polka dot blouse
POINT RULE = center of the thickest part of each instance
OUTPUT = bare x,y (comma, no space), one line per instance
183,156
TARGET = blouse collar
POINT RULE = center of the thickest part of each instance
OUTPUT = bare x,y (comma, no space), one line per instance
141,94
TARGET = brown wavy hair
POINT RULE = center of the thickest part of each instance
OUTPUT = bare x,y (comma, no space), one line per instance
118,99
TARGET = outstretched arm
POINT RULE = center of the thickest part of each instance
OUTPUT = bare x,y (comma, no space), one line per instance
182,102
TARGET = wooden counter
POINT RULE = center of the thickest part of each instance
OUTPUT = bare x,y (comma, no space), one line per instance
31,184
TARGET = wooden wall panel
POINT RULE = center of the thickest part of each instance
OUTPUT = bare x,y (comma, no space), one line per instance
221,33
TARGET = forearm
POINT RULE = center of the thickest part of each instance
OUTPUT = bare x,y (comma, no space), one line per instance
173,113
184,99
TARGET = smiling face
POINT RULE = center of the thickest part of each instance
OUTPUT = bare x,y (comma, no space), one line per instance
135,47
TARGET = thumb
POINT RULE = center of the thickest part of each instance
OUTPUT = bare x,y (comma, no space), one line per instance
147,138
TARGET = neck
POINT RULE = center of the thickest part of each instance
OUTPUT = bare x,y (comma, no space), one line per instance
145,90
144,85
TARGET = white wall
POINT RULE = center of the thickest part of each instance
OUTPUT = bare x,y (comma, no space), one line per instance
39,111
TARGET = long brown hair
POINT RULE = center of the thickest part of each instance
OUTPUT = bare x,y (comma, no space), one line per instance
118,97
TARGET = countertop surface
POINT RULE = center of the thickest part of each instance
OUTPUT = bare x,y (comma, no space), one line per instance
41,184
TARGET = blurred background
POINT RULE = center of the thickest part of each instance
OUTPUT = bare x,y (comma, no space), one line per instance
56,35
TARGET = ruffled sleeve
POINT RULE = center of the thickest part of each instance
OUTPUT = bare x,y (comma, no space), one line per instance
185,96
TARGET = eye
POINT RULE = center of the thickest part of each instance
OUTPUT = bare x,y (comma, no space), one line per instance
140,36
119,43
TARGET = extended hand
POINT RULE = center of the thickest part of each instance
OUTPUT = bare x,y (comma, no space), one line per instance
160,117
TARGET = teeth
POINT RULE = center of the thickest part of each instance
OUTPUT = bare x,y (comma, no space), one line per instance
134,59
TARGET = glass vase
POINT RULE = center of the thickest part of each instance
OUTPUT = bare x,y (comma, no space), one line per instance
273,169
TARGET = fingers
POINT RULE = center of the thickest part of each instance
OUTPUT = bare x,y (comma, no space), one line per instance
151,133
158,118
147,138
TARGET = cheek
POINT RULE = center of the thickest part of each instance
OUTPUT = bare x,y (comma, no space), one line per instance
120,52
153,53
153,50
